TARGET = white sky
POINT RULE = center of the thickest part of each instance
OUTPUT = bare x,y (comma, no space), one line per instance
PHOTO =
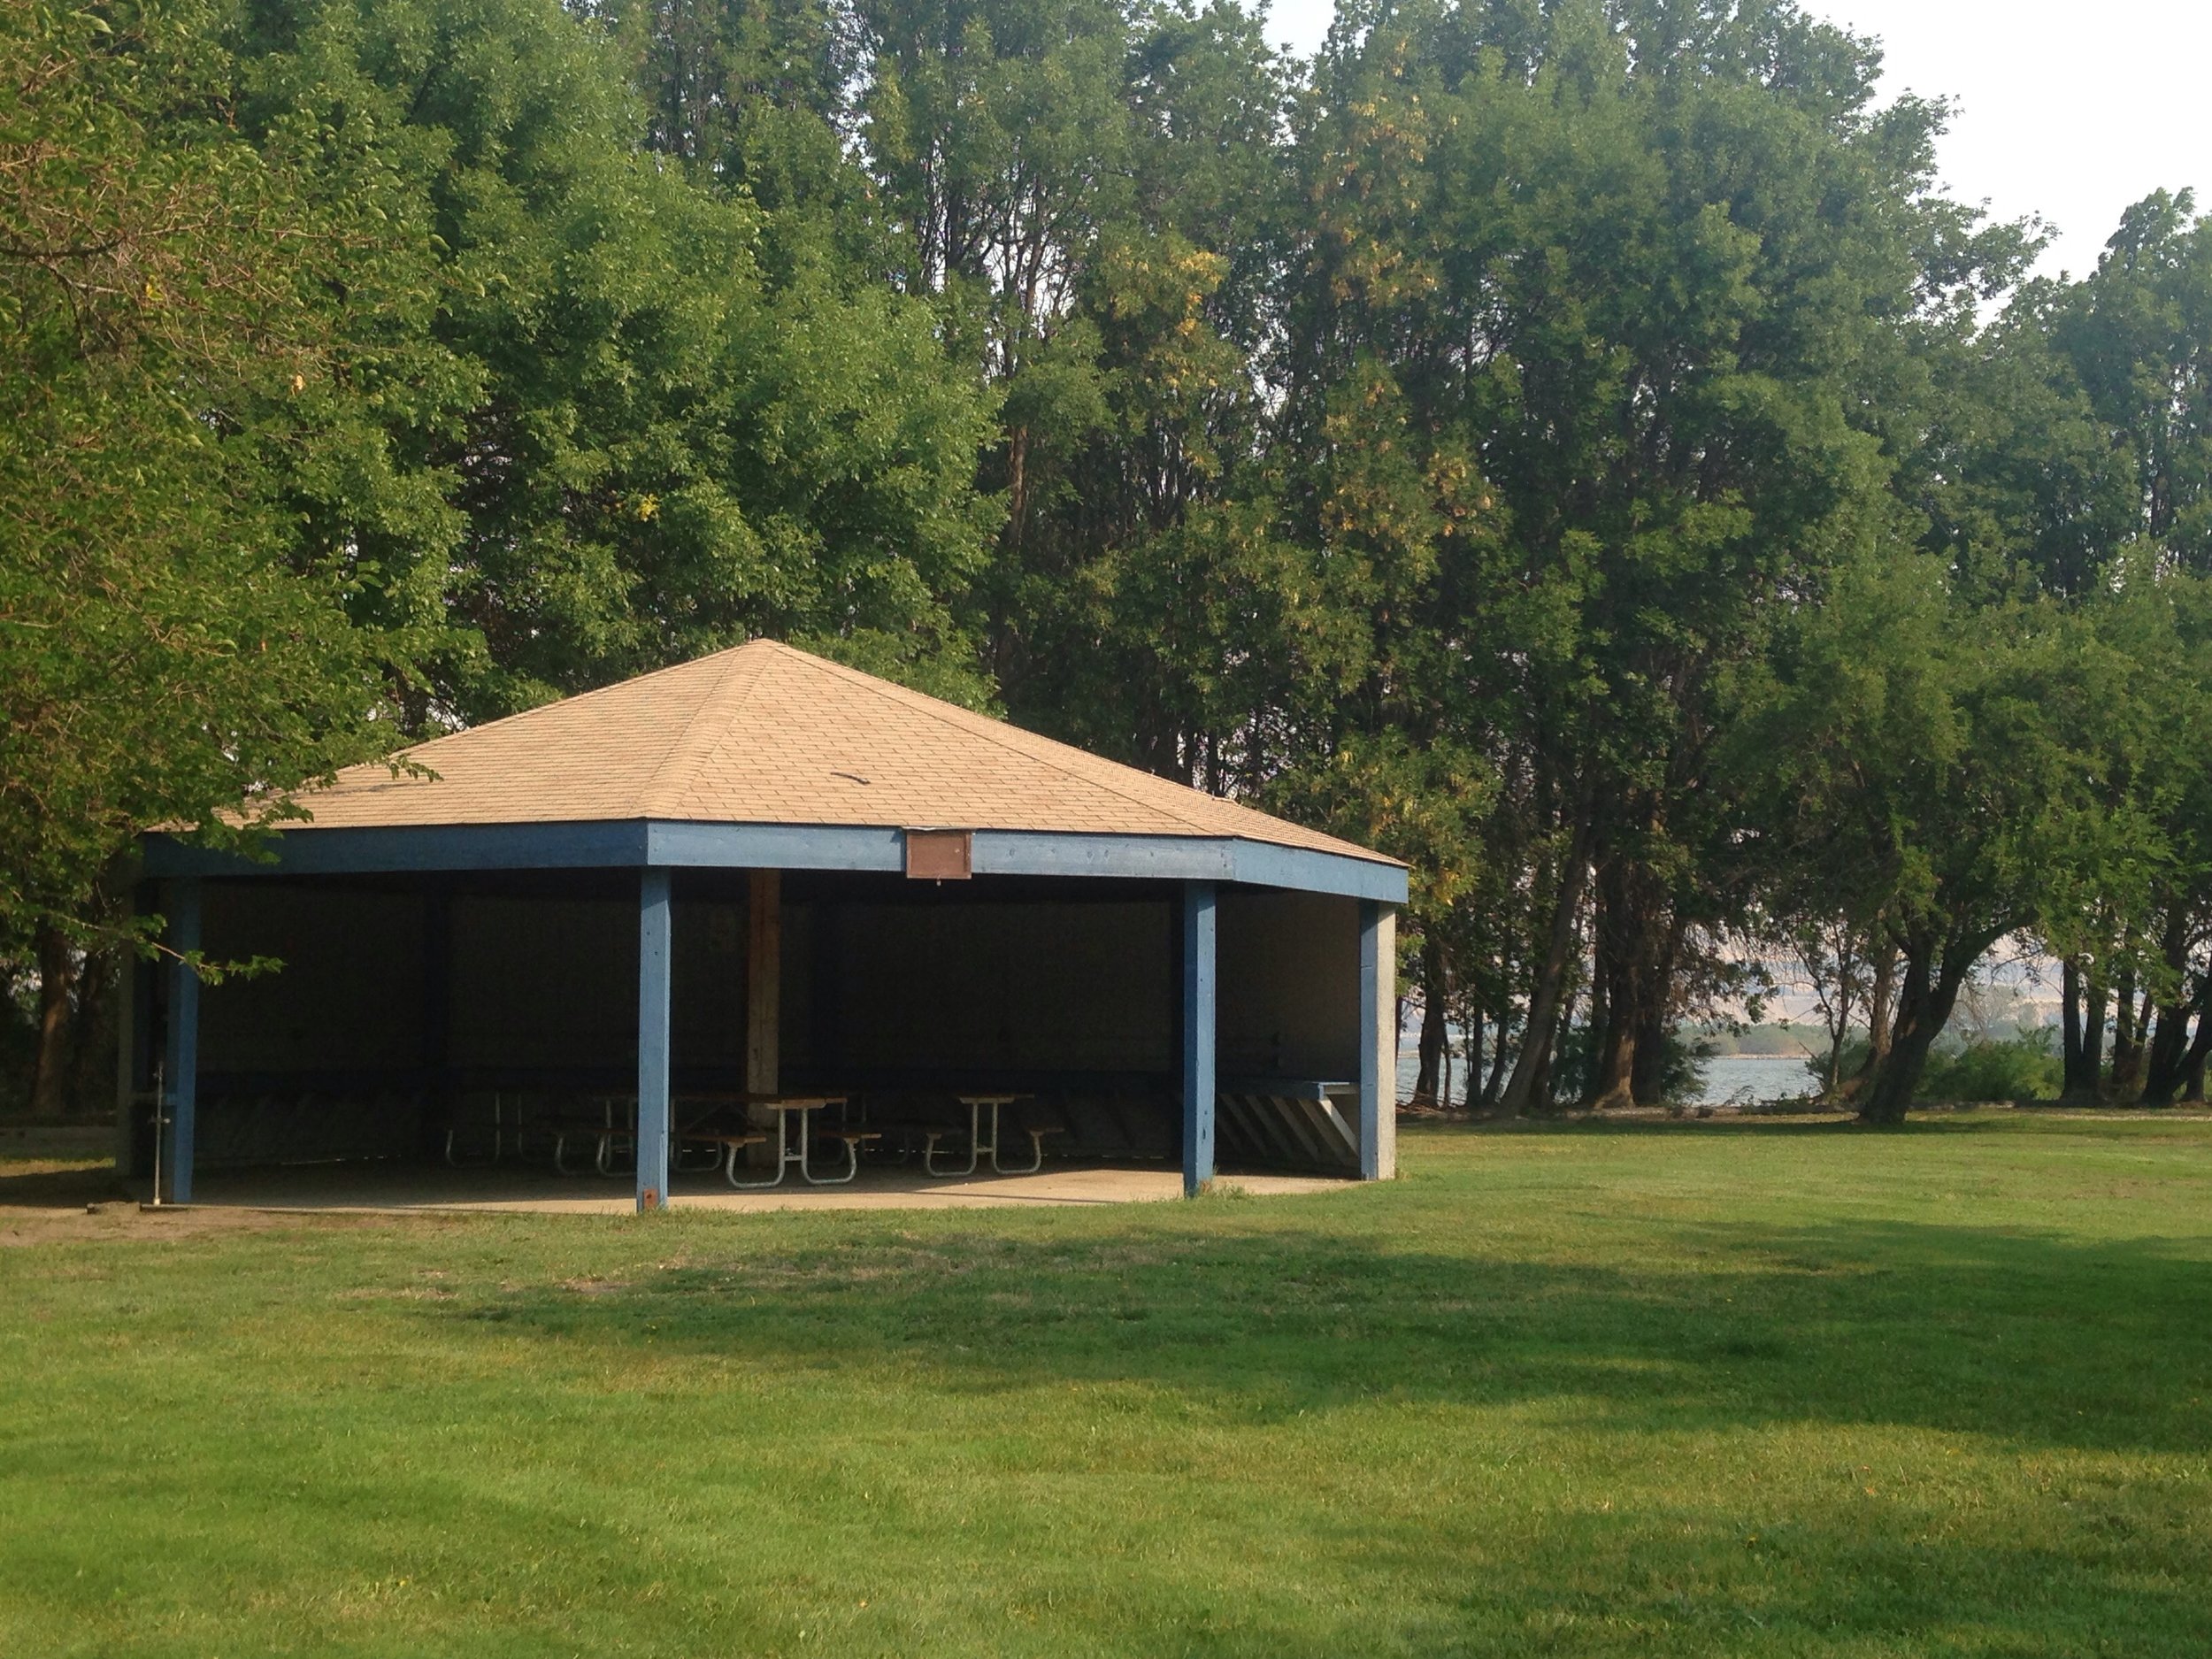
2065,111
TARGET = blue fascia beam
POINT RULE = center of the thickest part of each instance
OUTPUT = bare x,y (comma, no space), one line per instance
775,847
322,852
670,845
1264,864
1124,857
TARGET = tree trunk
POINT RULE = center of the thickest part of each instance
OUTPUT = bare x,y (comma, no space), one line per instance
1494,1085
2076,1081
1544,1093
1612,1081
2127,1036
1838,1031
2092,1040
1471,1088
2164,1065
102,981
1428,1078
1881,995
1635,939
2178,1063
1648,1077
1926,997
49,1065
1531,1067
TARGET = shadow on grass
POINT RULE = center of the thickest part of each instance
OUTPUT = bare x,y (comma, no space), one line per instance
2037,1122
2024,1336
44,1185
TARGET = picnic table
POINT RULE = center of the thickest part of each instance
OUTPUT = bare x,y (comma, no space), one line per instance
978,1106
612,1131
731,1142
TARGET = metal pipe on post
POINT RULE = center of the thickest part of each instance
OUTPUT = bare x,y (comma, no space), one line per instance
1200,925
654,980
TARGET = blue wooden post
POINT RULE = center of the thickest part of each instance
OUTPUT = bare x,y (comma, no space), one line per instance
1377,1041
653,985
180,1061
1199,928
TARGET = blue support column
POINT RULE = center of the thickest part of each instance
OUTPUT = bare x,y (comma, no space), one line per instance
180,1059
1200,925
1377,1041
654,978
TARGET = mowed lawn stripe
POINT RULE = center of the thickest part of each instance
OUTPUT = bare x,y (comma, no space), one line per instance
1758,1387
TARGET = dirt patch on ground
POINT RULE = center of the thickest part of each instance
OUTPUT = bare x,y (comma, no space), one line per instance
127,1222
51,1201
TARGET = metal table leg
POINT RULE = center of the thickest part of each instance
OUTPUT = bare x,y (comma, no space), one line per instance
852,1165
783,1118
929,1151
1036,1150
560,1153
605,1161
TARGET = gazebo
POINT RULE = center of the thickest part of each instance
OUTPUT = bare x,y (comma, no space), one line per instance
766,873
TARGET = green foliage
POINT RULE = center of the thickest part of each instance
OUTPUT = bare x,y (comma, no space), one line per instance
2026,1066
2022,1068
669,448
174,645
366,376
1681,1070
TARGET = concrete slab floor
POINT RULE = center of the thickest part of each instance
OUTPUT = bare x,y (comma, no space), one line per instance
340,1188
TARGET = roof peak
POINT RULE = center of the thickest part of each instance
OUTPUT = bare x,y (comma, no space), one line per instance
764,733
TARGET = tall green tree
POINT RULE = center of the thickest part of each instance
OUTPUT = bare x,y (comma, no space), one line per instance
670,445
1653,278
172,645
1931,775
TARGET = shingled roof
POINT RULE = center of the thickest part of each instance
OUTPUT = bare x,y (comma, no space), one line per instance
763,734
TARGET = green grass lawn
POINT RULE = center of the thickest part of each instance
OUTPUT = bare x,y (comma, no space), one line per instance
1728,1388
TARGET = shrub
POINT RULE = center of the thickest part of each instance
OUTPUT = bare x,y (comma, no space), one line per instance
2022,1067
2025,1067
1682,1066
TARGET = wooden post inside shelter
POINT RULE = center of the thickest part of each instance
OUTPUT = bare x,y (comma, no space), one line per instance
763,982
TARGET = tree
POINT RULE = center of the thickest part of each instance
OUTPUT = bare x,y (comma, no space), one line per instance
1653,282
667,446
1930,765
2137,333
172,647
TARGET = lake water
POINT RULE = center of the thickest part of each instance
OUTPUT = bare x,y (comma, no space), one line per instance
1734,1080
1739,1078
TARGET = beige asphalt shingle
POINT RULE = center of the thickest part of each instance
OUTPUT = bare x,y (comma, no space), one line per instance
763,734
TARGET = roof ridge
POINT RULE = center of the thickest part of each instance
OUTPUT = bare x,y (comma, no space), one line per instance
572,699
758,732
993,732
683,750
